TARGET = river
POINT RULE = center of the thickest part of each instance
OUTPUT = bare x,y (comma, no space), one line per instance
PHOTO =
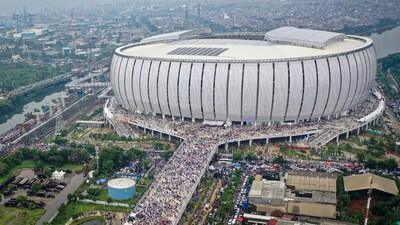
29,107
387,42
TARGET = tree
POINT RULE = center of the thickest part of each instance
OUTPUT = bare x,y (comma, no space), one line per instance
109,200
29,116
146,164
93,192
279,160
167,155
21,199
69,197
283,148
360,157
48,171
108,165
135,153
58,140
237,155
36,188
3,168
251,156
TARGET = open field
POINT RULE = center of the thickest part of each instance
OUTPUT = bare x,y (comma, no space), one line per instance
86,219
76,208
16,216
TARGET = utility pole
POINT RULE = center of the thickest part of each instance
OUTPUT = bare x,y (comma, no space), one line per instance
368,203
185,7
97,158
198,9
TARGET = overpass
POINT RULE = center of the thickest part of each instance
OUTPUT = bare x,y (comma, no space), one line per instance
81,82
41,84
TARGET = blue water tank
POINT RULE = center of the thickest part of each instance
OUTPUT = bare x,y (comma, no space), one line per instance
121,188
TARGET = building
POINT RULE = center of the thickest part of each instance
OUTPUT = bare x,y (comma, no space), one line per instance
67,51
368,181
284,75
121,188
311,181
58,175
90,123
299,193
31,33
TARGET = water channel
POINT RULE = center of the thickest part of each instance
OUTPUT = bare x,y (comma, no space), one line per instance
387,42
29,107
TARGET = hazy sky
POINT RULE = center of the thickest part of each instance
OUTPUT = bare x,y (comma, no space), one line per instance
9,6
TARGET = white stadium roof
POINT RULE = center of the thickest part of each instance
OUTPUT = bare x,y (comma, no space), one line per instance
179,35
303,37
279,44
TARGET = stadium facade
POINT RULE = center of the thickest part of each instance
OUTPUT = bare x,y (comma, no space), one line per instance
285,75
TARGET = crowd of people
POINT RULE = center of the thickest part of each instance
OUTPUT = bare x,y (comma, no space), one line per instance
166,199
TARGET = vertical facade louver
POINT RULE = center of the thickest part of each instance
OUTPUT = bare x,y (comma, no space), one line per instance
273,90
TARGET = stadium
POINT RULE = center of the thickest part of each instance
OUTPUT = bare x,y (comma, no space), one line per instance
285,75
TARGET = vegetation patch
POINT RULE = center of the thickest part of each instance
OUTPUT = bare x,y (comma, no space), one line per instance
87,219
75,209
17,216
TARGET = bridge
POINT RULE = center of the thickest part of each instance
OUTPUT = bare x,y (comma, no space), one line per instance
41,84
80,82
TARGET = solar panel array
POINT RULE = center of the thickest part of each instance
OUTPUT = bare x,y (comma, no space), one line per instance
198,51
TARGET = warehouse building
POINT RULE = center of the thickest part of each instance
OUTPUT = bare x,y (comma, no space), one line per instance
298,193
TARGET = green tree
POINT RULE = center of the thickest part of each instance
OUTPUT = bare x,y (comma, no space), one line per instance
58,140
237,155
146,164
21,199
360,157
167,155
109,165
93,192
36,188
109,200
251,156
279,160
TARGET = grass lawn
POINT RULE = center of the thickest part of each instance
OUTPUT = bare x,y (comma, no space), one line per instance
90,218
30,164
16,216
76,168
293,153
77,208
24,165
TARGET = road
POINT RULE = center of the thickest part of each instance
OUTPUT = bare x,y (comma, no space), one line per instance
52,207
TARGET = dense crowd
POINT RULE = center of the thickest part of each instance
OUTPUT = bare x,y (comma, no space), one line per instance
166,199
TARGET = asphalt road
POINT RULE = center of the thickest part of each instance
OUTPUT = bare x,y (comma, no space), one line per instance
52,207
